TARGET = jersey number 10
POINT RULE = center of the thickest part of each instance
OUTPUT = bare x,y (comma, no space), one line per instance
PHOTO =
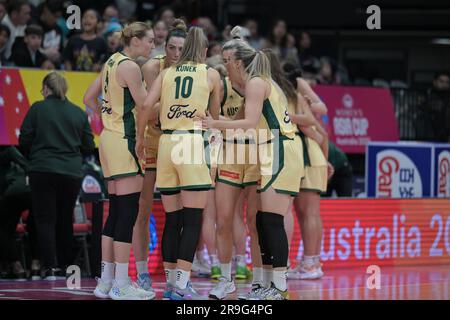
184,87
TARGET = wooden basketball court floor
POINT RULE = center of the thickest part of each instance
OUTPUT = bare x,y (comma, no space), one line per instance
397,283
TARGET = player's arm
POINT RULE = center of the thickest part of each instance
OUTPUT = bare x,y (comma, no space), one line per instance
149,112
90,98
255,93
305,89
130,76
150,71
214,99
302,116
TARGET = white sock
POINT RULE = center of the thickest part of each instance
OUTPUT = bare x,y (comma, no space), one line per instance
171,276
267,277
214,260
240,260
141,267
182,278
257,276
308,260
225,268
279,280
121,273
316,259
107,271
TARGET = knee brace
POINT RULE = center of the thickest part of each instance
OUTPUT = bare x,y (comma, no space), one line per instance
127,211
171,236
276,239
266,256
192,225
108,229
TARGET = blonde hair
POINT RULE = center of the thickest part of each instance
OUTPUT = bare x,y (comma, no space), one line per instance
136,29
194,46
56,83
255,62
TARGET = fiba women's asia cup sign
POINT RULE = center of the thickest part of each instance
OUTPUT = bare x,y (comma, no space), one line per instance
357,116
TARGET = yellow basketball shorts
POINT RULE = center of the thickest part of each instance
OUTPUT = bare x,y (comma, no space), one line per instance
151,152
118,157
238,164
281,165
181,163
315,179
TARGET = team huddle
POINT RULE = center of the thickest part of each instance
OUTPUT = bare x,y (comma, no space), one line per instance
207,140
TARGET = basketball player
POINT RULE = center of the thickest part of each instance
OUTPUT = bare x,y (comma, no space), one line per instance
185,90
315,178
279,154
307,203
235,176
150,70
123,94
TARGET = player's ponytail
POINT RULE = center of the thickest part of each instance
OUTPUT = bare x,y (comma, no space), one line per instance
194,46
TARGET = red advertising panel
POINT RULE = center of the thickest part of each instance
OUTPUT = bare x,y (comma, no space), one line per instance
358,115
359,233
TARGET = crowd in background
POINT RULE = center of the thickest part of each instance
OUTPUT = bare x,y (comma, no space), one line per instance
34,34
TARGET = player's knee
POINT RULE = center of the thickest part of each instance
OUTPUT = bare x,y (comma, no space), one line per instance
127,212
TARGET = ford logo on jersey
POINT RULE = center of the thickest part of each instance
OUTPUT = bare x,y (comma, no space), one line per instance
180,110
397,176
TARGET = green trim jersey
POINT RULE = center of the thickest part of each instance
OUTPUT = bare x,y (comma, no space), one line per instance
118,106
275,116
185,95
232,100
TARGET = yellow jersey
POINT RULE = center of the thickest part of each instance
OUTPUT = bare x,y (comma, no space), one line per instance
232,100
275,116
118,106
153,129
184,95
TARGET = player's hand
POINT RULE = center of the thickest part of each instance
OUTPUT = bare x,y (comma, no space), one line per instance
207,121
330,170
140,150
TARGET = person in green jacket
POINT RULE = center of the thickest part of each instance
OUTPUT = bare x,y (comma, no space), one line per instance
342,179
54,136
15,198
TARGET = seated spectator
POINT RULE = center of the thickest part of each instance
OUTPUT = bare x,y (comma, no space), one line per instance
15,198
2,9
26,52
441,82
215,48
4,36
16,20
86,51
437,112
304,51
208,27
54,136
161,31
327,72
254,39
50,12
282,43
110,15
167,15
112,39
48,65
342,179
